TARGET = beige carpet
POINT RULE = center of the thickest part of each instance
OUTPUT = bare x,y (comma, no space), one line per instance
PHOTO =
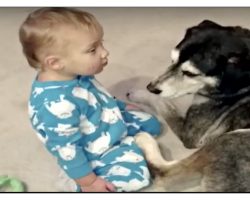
139,41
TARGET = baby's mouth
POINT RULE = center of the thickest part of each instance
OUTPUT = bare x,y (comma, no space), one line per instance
105,63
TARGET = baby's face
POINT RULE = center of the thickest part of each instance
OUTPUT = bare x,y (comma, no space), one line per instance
84,53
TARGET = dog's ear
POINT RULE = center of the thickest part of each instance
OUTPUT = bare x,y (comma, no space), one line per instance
241,32
209,24
191,33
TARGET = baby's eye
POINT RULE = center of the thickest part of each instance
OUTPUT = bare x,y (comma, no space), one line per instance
92,50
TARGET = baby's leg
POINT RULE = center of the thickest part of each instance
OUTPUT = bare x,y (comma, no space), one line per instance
123,165
126,168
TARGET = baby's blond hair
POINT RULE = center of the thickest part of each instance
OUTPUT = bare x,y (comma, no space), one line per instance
38,32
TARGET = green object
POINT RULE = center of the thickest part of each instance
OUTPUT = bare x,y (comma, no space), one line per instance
11,184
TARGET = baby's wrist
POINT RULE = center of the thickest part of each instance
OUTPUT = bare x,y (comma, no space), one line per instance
86,180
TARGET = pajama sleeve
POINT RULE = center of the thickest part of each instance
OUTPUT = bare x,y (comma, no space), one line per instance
61,130
121,104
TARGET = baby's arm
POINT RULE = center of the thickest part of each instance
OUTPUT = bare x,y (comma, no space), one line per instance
126,106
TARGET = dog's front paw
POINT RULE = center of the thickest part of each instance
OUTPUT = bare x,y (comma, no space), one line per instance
150,148
145,141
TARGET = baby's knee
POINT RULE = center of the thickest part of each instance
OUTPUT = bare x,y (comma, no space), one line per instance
128,176
131,186
134,183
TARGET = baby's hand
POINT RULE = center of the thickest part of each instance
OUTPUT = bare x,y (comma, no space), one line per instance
132,107
99,185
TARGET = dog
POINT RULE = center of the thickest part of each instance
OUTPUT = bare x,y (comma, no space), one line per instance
211,63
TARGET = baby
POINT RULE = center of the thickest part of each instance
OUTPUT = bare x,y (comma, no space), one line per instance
88,131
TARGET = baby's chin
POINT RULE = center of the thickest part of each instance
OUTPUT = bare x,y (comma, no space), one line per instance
99,70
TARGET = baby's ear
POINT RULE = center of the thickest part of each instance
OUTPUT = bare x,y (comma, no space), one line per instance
53,62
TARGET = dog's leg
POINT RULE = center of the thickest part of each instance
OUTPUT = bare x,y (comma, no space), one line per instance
151,150
170,175
154,158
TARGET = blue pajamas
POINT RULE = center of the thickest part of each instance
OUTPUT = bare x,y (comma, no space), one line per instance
126,175
150,124
87,130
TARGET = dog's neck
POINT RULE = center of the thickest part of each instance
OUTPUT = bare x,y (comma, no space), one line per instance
199,99
223,97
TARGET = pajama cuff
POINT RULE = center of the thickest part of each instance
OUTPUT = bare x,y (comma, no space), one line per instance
80,171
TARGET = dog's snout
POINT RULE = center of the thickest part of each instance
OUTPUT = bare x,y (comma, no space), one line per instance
153,89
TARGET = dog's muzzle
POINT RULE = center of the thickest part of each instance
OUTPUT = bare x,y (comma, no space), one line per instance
153,89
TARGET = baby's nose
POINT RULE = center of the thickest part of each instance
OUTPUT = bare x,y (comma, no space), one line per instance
105,53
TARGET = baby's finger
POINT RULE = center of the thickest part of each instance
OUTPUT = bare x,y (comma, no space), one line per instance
110,187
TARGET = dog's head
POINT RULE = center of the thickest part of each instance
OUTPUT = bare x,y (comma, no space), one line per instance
210,59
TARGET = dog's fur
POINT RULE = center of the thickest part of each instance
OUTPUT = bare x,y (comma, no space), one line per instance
212,62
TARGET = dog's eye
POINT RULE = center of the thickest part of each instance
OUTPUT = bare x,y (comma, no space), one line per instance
188,73
233,60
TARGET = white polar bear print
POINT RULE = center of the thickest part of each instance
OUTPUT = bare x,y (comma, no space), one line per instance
65,167
128,140
111,115
100,145
62,109
32,113
132,185
35,120
96,163
103,97
31,110
86,126
100,87
56,148
110,150
142,116
67,152
118,170
134,125
52,87
86,95
37,91
145,172
129,156
64,129
41,127
41,138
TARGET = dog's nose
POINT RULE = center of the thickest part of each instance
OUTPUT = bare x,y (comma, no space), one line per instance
153,89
